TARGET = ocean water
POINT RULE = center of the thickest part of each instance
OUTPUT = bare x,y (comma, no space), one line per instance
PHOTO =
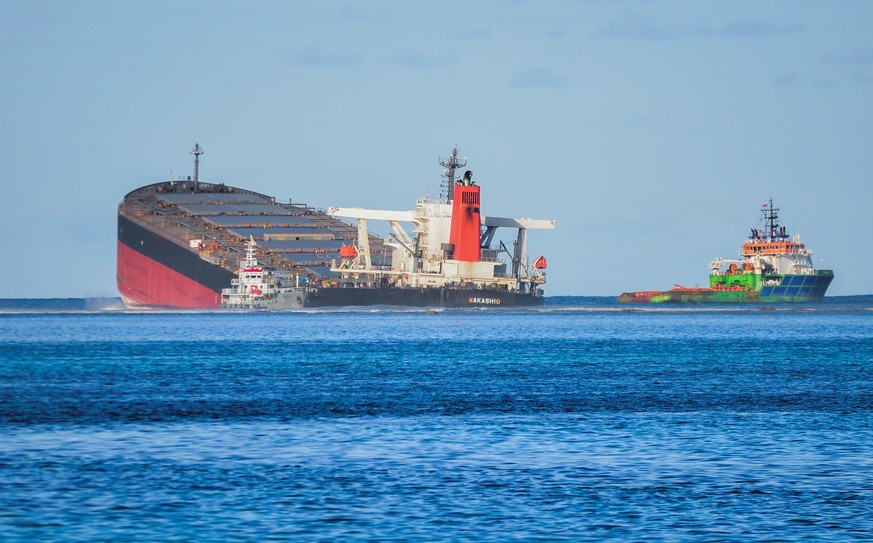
580,421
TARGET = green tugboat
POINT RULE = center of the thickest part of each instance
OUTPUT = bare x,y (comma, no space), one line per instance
774,267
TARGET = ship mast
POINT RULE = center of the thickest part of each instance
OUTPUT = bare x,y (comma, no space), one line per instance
449,166
771,222
197,152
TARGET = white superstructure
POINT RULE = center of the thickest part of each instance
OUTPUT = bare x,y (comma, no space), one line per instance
424,255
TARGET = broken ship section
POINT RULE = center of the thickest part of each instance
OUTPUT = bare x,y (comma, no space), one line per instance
450,258
180,243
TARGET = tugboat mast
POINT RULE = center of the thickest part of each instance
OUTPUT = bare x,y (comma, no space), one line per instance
772,230
449,166
197,152
771,221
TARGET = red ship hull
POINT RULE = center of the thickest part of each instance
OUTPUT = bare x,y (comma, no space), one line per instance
154,272
143,282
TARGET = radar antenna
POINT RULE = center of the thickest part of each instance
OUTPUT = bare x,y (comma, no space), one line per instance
449,166
197,152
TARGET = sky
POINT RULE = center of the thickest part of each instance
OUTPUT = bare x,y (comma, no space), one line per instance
651,131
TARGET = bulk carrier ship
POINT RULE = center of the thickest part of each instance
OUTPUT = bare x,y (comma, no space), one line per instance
774,267
194,245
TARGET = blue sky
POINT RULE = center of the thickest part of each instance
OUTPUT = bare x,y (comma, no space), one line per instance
652,131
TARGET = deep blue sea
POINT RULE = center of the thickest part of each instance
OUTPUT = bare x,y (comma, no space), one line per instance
580,421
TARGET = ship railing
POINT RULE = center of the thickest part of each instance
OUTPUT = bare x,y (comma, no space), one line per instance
187,185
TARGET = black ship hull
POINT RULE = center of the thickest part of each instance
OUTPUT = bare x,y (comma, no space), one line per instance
418,297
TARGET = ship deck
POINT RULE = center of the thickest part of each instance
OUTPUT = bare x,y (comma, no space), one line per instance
216,221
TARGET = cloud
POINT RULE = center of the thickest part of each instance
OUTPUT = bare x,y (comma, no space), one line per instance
788,80
315,57
641,27
859,56
537,78
630,121
860,78
794,79
638,27
473,34
751,29
413,60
